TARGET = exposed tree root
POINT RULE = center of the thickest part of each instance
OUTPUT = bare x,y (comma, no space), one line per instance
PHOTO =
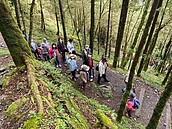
34,87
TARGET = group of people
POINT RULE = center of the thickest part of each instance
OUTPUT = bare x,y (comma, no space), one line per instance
47,52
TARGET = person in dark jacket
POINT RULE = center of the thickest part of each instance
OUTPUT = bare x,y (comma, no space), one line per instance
62,48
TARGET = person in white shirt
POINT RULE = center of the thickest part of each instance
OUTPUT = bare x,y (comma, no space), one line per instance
70,46
45,43
102,70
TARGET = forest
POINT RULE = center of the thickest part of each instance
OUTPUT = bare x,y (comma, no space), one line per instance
54,54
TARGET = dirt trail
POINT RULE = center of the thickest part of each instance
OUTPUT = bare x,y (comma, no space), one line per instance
150,99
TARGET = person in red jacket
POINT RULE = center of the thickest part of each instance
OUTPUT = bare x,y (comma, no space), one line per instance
91,70
53,51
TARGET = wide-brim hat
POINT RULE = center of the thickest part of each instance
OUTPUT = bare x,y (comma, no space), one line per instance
85,67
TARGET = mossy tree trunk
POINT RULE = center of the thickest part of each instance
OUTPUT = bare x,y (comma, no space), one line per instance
22,16
149,39
63,22
12,35
17,12
154,121
136,59
121,28
131,49
31,21
92,26
167,75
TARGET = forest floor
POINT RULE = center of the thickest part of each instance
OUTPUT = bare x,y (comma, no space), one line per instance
116,84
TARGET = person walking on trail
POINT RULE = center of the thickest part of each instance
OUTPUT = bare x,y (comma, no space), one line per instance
131,105
70,46
85,52
44,52
62,48
102,70
73,66
34,49
83,75
89,62
45,43
54,55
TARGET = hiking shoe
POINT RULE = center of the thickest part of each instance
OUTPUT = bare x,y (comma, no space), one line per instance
57,66
91,80
60,66
74,79
106,80
126,115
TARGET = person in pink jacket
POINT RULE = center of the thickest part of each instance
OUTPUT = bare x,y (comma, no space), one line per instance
53,51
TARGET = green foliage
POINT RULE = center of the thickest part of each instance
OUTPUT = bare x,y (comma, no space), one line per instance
13,108
4,52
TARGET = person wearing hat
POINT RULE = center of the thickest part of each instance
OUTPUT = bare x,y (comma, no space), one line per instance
102,70
70,46
72,65
83,75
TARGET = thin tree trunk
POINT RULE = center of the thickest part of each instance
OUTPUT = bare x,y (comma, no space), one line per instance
92,26
17,12
131,49
63,22
121,27
31,21
56,15
42,17
22,16
167,75
84,26
158,110
155,37
16,43
99,24
135,61
149,39
110,42
126,38
107,35
167,50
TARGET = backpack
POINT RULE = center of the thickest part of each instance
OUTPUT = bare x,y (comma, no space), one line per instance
136,103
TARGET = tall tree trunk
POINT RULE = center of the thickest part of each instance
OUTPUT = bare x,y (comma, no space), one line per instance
154,121
14,40
149,39
110,42
63,22
92,26
121,27
167,49
56,15
84,26
17,12
31,21
107,34
167,75
22,16
131,49
99,26
42,17
155,37
136,58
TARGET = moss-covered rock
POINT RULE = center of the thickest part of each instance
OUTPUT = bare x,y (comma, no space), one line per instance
13,108
104,121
